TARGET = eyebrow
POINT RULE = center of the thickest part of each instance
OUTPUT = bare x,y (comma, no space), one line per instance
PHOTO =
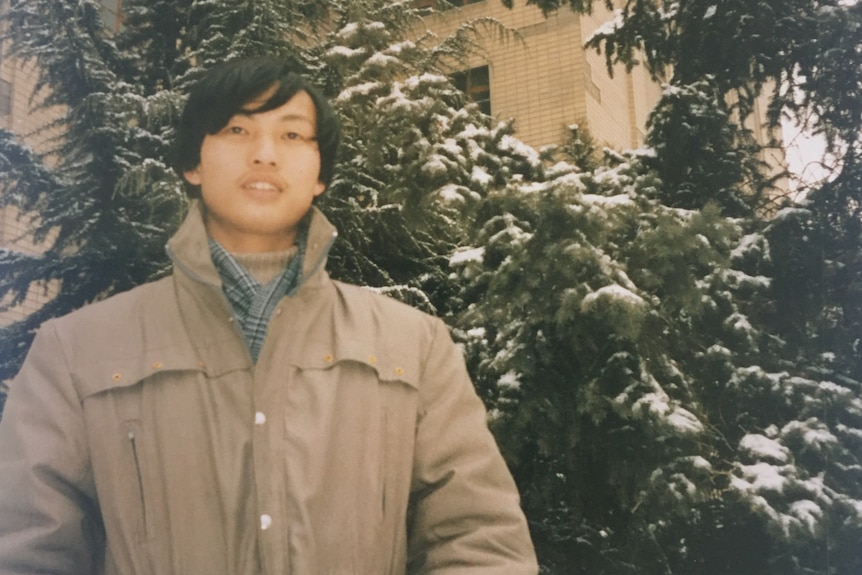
284,118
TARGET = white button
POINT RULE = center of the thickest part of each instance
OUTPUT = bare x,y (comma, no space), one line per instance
259,418
265,521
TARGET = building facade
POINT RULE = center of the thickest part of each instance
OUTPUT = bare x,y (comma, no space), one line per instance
540,74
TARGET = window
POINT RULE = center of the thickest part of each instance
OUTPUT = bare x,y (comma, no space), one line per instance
476,83
112,14
444,4
5,97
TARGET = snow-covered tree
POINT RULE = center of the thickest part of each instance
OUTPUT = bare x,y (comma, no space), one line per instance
416,159
652,415
679,389
102,187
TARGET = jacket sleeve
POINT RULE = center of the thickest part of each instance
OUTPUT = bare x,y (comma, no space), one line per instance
48,517
466,515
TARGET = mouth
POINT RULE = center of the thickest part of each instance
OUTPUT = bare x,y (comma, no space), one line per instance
262,183
263,186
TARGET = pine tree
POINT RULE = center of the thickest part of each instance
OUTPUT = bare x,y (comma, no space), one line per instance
589,310
744,328
102,189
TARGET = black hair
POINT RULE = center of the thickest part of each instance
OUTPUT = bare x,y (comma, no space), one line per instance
223,92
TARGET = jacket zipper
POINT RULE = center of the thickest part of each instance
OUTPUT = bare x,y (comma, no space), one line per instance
134,444
382,462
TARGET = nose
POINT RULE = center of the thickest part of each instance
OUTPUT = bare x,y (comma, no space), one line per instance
263,151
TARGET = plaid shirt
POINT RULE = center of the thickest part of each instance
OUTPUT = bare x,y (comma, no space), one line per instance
253,304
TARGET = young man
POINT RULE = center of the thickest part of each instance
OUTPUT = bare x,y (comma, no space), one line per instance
247,414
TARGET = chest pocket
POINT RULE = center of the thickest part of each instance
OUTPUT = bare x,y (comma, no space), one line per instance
390,363
125,372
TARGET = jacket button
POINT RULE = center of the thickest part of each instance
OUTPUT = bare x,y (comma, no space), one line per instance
399,371
265,521
157,365
259,418
117,376
372,360
328,358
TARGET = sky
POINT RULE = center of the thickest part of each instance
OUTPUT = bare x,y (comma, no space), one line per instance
805,154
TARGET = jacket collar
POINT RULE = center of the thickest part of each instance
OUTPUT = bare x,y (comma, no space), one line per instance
189,248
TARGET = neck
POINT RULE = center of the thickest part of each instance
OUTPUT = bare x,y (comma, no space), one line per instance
265,266
248,243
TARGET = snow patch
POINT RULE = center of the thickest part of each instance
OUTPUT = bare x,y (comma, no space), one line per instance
698,462
435,166
345,52
761,477
684,421
762,447
509,380
808,513
363,89
608,28
381,60
481,176
477,333
747,244
607,201
790,213
515,145
615,292
467,255
658,404
813,433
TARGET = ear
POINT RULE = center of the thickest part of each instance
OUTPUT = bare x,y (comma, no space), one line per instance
193,176
318,189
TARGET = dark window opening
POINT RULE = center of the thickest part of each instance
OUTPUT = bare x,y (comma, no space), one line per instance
476,83
112,14
444,4
5,97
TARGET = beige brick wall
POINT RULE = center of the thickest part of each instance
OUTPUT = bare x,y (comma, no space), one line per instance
14,226
544,78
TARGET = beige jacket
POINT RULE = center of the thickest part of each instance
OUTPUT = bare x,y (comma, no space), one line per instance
140,438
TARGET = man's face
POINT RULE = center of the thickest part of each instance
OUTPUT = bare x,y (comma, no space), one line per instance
259,175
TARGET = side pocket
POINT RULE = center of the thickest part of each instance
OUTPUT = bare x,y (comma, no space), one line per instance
133,435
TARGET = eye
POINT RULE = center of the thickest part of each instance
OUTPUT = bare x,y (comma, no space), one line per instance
234,130
294,136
